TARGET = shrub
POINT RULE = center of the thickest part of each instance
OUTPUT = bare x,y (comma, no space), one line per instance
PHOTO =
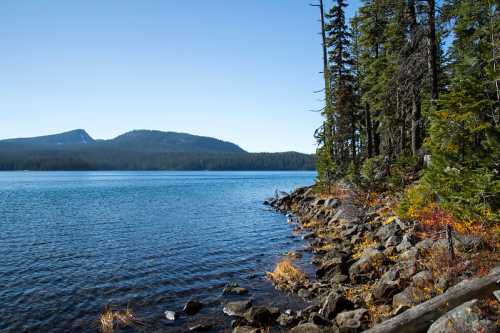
286,275
370,169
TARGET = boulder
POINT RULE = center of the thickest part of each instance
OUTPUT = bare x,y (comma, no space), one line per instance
424,245
371,260
259,316
423,280
306,328
392,241
237,308
331,267
388,230
192,307
405,243
333,304
407,298
170,315
463,319
332,203
352,321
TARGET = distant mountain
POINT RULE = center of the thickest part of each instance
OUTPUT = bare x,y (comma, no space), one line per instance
138,140
140,150
75,137
147,140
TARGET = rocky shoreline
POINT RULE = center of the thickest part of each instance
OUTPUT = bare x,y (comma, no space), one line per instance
374,272
372,266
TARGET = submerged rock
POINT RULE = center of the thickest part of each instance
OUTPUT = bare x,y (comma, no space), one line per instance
234,289
192,307
237,308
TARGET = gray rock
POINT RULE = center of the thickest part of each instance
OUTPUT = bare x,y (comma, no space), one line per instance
237,308
424,245
409,297
387,230
260,316
388,285
370,260
192,307
392,241
349,321
423,280
463,319
332,203
170,315
333,304
405,244
496,293
306,328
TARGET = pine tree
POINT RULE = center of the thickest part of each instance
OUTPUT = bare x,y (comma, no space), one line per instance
465,133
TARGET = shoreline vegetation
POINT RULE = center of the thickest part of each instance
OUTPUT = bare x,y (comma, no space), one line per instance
372,265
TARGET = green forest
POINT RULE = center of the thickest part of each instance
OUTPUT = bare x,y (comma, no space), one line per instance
112,159
412,104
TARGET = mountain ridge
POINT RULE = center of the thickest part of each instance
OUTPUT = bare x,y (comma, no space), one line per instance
143,140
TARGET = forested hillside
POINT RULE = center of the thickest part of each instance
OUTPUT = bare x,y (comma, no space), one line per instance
412,103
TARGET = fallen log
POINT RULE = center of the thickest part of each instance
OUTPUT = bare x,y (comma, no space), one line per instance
420,317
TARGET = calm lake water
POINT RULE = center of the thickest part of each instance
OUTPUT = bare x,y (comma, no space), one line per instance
73,242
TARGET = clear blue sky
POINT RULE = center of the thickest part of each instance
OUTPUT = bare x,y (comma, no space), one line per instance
242,71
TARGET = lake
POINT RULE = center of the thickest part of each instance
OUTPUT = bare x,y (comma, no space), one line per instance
72,243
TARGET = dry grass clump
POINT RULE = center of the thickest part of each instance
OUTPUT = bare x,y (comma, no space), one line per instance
286,275
111,319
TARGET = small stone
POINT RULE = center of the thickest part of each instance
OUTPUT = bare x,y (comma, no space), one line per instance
170,315
201,327
192,307
234,289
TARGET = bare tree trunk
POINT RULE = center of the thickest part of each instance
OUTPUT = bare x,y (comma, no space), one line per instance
368,125
433,49
416,139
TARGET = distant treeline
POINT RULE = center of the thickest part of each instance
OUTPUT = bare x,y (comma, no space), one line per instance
127,160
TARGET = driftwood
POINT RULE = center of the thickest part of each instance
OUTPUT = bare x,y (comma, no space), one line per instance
420,317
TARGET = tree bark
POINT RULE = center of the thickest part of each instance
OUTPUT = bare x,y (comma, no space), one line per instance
369,137
416,139
420,317
431,7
